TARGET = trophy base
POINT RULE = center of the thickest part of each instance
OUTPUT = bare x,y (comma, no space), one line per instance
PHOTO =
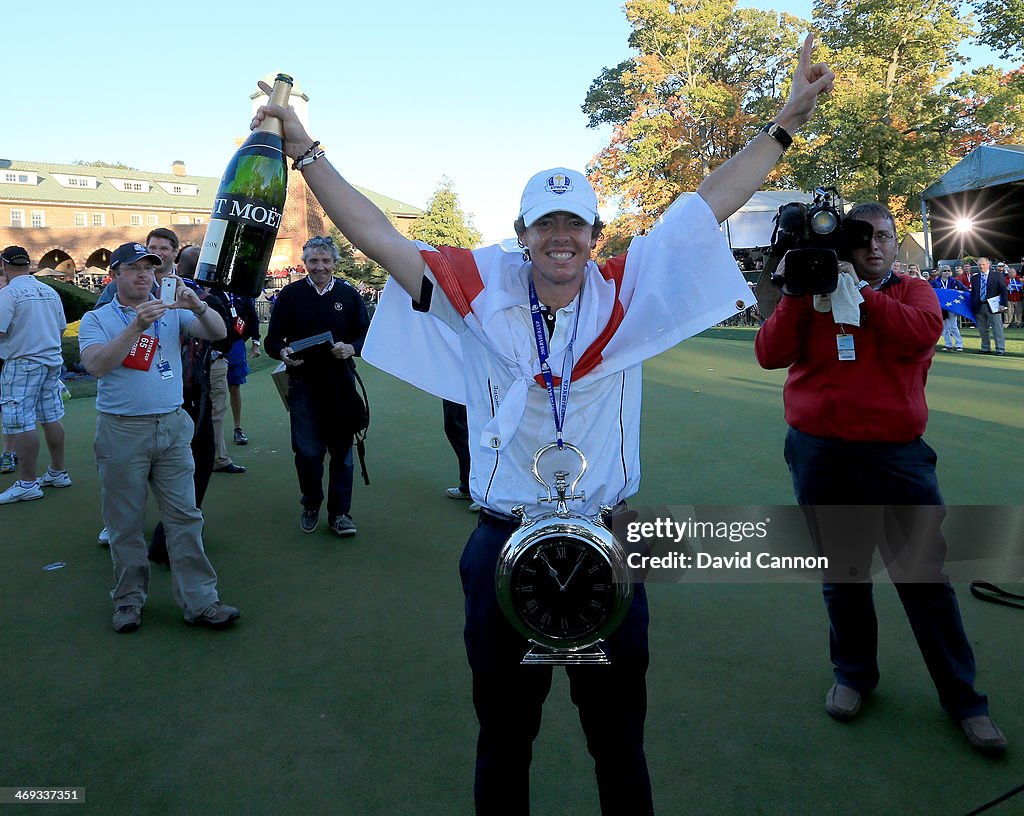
543,656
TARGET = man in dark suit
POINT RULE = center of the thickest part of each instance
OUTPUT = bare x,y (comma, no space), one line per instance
986,285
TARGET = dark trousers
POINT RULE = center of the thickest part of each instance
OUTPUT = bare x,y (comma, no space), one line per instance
456,428
197,405
899,480
508,697
316,432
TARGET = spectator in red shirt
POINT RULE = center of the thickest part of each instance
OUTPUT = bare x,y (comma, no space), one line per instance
857,416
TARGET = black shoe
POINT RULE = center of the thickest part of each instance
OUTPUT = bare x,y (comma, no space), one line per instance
309,520
240,438
343,525
232,468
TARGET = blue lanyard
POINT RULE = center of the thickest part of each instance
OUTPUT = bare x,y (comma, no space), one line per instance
558,408
155,324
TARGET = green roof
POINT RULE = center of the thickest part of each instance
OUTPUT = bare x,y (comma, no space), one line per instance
105,193
48,189
390,205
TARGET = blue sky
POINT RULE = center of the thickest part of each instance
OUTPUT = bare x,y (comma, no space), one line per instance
401,93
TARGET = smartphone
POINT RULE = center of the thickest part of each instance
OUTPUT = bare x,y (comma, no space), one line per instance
168,286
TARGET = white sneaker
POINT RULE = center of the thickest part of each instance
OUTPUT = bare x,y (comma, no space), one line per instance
104,537
53,478
21,491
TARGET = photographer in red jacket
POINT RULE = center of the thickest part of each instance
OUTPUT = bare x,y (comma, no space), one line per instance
855,403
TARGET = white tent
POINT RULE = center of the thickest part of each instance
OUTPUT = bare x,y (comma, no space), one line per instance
753,223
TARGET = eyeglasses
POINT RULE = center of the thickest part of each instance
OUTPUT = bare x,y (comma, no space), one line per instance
883,237
319,240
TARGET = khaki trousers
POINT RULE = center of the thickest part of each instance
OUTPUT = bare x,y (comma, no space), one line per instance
134,454
219,401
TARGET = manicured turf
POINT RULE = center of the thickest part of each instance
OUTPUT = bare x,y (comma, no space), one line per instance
344,689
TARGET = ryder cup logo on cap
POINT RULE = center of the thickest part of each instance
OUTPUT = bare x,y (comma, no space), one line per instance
130,253
558,190
558,183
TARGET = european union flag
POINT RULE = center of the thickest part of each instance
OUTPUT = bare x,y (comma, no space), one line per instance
955,301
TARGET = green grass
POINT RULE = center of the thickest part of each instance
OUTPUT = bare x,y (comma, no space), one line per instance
344,688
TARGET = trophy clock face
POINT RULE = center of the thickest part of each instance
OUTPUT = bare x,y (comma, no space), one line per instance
562,588
562,578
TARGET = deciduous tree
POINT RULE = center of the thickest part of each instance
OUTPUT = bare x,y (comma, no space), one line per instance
444,223
887,131
1001,26
351,268
706,75
988,108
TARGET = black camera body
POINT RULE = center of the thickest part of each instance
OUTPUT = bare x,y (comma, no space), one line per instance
814,238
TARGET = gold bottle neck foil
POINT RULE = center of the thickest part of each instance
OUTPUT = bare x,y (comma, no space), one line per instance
278,96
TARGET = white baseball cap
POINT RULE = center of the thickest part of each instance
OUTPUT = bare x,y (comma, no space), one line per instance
558,190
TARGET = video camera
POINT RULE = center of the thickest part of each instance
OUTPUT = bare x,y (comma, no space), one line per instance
814,238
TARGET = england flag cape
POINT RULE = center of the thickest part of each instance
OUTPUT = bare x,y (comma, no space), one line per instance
676,281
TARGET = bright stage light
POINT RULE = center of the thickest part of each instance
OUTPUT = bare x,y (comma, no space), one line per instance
964,225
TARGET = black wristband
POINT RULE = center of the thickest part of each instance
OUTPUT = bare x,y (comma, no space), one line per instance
779,134
310,151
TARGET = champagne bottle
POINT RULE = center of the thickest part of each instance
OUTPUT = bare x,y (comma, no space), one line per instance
248,208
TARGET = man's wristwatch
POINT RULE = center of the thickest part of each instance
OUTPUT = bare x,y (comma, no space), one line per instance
862,284
779,134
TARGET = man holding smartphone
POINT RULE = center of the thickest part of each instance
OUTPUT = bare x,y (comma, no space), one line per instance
133,346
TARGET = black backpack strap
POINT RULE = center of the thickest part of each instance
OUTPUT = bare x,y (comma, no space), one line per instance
366,400
990,592
360,443
360,436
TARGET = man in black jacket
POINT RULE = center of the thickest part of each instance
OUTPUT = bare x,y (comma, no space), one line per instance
320,380
195,388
